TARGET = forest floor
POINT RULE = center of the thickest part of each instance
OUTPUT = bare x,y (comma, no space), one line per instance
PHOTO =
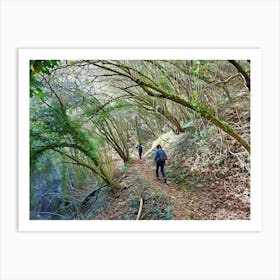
214,196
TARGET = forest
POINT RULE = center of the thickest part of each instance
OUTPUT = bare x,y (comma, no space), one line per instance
88,117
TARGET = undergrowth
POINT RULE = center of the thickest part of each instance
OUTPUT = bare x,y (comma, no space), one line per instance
157,205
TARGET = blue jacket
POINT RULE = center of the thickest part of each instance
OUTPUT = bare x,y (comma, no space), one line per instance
140,149
159,155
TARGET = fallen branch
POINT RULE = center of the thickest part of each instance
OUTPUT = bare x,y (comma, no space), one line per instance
140,208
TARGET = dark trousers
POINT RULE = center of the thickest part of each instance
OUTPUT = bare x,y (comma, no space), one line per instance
140,155
160,164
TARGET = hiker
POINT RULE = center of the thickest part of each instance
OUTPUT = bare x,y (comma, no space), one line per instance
140,150
160,158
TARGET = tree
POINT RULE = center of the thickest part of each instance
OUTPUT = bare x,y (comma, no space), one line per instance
137,78
53,129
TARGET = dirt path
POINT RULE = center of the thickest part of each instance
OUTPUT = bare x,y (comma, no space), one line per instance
145,169
216,199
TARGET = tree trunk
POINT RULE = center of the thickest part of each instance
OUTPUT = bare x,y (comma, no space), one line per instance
242,71
202,111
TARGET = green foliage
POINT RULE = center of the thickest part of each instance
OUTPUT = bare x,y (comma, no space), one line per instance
186,179
195,101
64,181
176,164
38,67
114,130
220,161
157,209
199,68
199,107
191,215
179,176
82,113
55,130
168,213
123,168
44,66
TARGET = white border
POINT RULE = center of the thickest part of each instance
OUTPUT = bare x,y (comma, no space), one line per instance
254,224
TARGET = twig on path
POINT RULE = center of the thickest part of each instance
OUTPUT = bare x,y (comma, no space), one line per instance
140,208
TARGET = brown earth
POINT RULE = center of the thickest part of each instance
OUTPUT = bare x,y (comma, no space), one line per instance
216,195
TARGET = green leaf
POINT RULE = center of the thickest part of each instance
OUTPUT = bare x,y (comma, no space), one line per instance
40,94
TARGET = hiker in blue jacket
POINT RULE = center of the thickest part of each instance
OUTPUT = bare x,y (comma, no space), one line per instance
160,158
140,150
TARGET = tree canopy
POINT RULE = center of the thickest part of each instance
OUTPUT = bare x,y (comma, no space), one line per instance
86,116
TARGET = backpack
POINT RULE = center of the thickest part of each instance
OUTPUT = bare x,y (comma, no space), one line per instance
162,155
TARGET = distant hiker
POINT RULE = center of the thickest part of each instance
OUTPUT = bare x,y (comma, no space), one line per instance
140,150
160,158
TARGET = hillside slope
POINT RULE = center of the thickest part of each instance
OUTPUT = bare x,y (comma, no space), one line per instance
217,189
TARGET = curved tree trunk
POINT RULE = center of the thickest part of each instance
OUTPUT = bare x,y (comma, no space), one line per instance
155,91
242,71
202,111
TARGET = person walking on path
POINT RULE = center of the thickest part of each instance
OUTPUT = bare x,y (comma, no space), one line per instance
140,150
160,157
